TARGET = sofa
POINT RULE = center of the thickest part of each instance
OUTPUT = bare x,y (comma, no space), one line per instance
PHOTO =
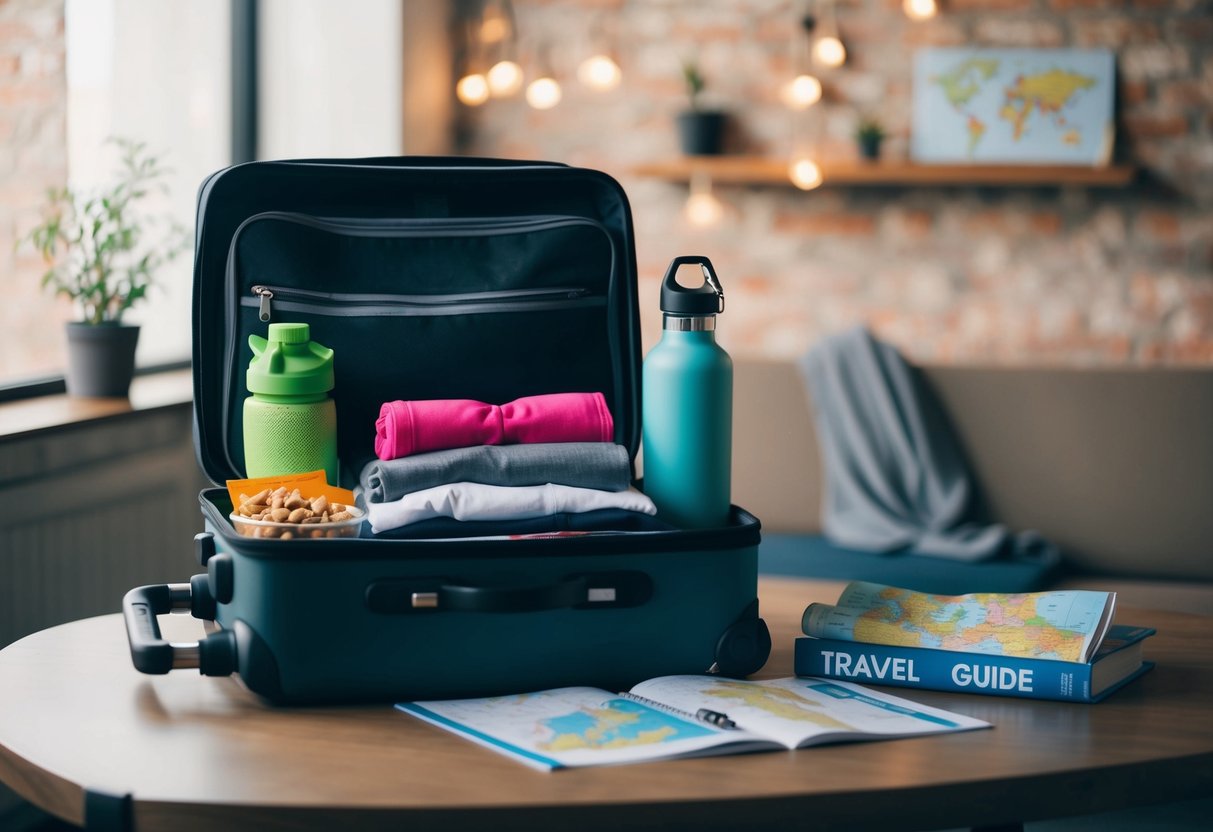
1113,465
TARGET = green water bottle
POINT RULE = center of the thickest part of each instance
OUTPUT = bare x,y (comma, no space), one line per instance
687,406
290,423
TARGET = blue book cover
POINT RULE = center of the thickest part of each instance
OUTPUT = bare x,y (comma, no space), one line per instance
1117,662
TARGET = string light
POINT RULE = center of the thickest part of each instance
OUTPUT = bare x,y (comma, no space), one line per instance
495,23
472,89
599,72
919,9
802,92
805,173
703,209
543,93
504,79
829,51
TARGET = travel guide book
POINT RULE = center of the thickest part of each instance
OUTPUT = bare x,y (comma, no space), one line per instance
1043,645
682,716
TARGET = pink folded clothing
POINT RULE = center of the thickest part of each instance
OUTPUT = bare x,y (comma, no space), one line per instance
405,428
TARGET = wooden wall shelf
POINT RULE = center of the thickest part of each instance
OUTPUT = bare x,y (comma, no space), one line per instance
753,170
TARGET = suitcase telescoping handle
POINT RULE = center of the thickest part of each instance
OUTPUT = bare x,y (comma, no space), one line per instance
151,653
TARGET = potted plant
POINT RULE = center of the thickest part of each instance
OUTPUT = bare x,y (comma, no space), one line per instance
97,256
869,133
700,131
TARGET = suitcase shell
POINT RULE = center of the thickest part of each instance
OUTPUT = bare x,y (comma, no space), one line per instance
435,278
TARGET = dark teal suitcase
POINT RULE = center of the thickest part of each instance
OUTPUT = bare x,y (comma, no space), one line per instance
435,278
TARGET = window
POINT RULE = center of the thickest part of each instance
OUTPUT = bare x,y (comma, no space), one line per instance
330,78
159,72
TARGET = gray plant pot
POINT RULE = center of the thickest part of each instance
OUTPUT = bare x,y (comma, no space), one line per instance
100,359
701,132
869,146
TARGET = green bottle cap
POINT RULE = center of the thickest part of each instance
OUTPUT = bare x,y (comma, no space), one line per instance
290,333
289,363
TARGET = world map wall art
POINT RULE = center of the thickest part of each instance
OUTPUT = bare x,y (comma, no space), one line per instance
1030,106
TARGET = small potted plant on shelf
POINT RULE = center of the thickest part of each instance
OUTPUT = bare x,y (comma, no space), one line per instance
700,131
97,256
869,134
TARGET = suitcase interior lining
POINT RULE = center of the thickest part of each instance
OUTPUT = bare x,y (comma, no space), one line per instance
428,309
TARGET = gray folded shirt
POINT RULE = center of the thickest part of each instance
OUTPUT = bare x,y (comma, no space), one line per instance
600,465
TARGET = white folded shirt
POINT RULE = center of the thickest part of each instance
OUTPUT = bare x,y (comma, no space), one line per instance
476,501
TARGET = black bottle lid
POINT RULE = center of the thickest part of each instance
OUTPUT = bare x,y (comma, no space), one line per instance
706,299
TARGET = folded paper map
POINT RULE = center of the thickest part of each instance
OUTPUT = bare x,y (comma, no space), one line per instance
1067,625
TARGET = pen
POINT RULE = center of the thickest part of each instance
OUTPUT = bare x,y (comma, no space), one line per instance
715,718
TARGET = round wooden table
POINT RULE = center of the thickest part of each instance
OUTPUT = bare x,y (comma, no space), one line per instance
184,752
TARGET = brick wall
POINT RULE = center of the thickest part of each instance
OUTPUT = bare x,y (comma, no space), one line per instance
975,275
33,158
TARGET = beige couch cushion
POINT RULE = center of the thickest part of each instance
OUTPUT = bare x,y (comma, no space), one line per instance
1116,465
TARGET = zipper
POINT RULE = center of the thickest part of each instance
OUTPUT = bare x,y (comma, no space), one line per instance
263,305
302,300
266,298
421,226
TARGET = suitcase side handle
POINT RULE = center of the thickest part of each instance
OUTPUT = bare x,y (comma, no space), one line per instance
561,595
151,653
592,590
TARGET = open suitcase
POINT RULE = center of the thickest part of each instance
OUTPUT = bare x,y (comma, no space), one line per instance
435,278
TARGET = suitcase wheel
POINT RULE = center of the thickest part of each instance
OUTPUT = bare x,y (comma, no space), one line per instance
745,646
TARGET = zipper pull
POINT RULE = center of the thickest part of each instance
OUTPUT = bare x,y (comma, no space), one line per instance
263,310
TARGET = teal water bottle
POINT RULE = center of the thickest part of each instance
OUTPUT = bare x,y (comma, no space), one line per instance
687,406
290,423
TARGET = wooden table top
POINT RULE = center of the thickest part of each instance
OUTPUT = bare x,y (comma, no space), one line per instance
200,753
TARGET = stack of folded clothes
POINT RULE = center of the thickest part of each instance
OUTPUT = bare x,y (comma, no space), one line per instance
540,464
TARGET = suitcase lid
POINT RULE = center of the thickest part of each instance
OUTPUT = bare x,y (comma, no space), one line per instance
429,278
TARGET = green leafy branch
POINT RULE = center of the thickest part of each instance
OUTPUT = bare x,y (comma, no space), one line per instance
869,130
694,81
93,245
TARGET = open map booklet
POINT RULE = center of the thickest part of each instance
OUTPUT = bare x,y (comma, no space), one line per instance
681,716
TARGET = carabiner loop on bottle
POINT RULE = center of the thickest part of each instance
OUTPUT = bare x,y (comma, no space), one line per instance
709,277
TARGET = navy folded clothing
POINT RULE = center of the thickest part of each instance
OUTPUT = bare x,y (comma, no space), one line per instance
601,520
600,465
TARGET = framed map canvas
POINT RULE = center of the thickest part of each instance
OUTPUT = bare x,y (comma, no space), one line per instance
1038,106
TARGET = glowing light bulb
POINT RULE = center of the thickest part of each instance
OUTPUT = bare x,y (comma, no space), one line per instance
505,78
804,173
829,51
543,93
495,26
919,9
802,92
472,90
703,209
599,72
